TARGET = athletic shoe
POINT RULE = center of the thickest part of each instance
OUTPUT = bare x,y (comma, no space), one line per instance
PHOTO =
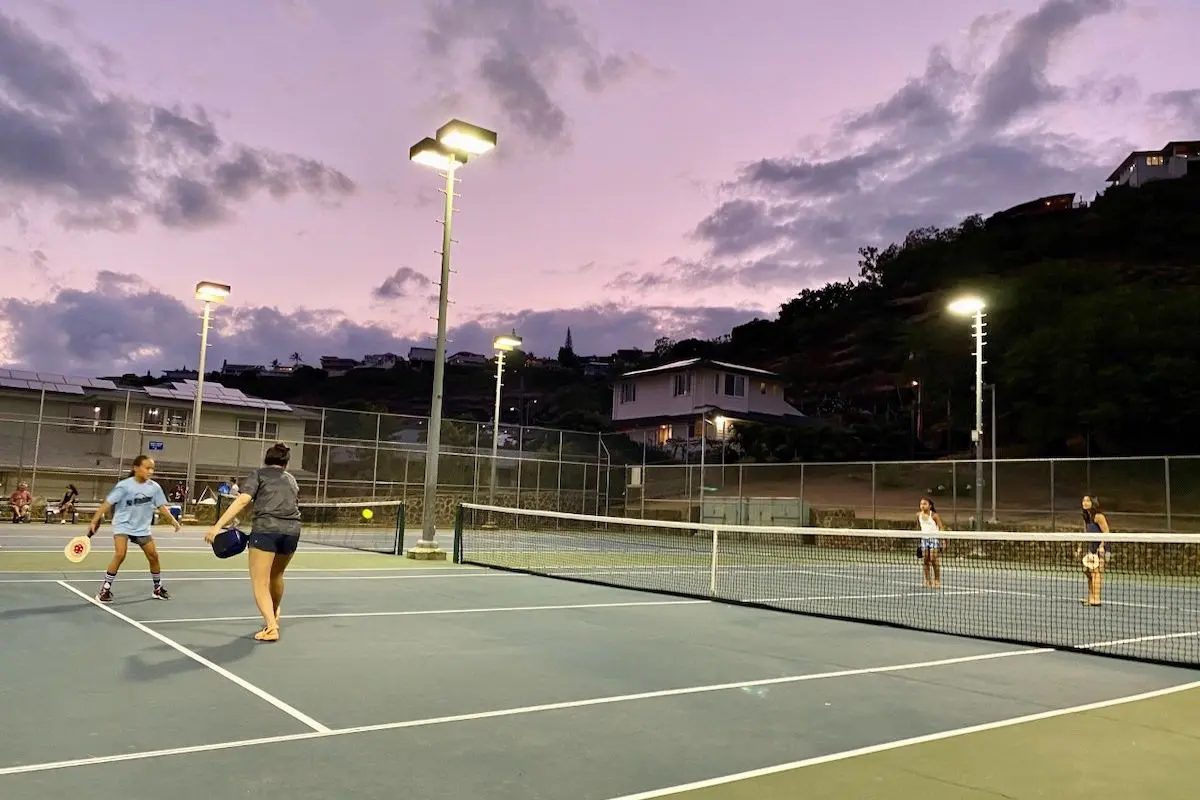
105,595
160,593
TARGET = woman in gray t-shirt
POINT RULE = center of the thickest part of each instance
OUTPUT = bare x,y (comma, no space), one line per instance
275,532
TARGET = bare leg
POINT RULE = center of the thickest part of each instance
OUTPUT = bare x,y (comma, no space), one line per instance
260,583
120,548
926,562
936,559
277,569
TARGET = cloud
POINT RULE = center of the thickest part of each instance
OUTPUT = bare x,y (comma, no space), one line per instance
123,324
970,134
520,52
1183,104
107,161
401,283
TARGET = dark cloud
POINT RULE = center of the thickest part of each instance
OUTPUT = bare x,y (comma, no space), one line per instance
966,136
401,283
107,161
1016,82
519,51
124,324
1184,105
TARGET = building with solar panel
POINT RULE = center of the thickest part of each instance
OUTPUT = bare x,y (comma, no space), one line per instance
59,429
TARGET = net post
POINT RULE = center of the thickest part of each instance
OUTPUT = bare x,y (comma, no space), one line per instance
457,543
712,578
398,549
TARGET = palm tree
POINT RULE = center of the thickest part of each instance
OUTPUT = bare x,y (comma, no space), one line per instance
296,359
275,365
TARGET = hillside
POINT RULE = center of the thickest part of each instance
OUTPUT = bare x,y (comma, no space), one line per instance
1093,330
1093,334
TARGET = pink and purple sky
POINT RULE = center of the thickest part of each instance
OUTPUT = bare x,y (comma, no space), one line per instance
665,168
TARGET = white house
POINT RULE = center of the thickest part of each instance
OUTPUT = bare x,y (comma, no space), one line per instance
1176,160
670,402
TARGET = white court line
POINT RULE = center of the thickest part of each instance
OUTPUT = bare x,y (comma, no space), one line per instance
290,571
204,662
437,611
895,745
513,712
1154,638
926,593
191,579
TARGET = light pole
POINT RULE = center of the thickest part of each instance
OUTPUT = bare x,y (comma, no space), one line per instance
210,294
502,345
456,142
973,307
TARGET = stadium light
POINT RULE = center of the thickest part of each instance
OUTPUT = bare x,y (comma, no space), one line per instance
973,307
209,294
456,143
502,344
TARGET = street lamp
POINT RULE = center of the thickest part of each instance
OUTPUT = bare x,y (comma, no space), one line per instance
210,294
454,144
973,307
501,344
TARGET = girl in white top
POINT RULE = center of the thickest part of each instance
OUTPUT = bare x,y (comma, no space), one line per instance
931,545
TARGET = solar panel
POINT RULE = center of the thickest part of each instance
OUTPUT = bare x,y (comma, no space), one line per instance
23,375
275,405
9,383
5,373
159,392
63,388
98,383
50,377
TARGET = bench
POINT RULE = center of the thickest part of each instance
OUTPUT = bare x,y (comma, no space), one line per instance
86,508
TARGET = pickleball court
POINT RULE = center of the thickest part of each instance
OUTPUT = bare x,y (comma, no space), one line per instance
397,678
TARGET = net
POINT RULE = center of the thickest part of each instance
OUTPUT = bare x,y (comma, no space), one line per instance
1023,588
344,525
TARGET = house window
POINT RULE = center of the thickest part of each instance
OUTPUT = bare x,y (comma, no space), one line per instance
86,419
628,392
1154,161
257,429
682,384
735,385
663,435
169,420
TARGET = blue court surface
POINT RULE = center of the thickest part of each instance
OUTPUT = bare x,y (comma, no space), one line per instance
454,682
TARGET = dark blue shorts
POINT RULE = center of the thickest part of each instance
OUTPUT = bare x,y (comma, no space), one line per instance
282,543
140,541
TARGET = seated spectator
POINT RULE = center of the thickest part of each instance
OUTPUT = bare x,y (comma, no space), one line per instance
67,507
21,503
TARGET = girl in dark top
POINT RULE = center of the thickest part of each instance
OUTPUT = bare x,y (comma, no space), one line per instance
275,532
67,507
1094,522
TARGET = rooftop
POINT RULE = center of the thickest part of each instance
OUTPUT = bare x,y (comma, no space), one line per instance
701,362
183,391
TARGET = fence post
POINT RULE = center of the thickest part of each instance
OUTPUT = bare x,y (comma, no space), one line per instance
712,579
558,492
375,466
874,512
954,492
404,486
1052,517
37,443
1167,481
805,518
